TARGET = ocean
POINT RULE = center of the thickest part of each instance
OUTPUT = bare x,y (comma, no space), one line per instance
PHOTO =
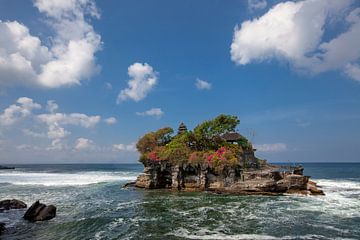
92,205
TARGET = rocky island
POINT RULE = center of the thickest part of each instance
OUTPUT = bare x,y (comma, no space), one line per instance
214,157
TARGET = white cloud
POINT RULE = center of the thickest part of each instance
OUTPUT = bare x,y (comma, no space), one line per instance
353,71
124,147
202,85
110,120
83,144
108,86
52,106
294,31
57,144
78,119
66,61
31,133
157,112
15,112
142,80
56,132
256,4
271,147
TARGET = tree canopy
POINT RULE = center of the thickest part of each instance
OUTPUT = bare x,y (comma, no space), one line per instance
202,145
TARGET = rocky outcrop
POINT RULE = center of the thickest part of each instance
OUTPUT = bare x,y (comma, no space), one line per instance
267,179
11,204
2,227
40,212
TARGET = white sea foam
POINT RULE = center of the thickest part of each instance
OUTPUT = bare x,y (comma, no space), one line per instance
64,179
341,199
205,234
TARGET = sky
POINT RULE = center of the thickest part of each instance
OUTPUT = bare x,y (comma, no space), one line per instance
82,80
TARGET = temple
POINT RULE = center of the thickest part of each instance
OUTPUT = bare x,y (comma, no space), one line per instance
214,157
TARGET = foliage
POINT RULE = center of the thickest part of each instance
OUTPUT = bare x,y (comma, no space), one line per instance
203,145
152,140
178,149
207,134
221,158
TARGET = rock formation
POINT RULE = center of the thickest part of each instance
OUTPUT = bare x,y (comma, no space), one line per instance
40,212
11,204
268,179
213,157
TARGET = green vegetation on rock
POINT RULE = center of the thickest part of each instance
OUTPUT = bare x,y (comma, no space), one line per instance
213,142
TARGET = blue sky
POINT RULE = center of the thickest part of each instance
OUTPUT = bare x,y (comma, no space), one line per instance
289,70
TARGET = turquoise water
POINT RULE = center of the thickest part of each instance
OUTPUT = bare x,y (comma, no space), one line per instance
92,205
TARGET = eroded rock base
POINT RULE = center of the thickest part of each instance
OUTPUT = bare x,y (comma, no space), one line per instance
267,179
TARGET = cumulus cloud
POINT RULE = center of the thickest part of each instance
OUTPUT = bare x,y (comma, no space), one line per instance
202,85
110,120
124,147
256,4
67,60
353,71
157,112
143,78
78,119
21,109
56,121
271,147
31,133
52,106
83,144
294,31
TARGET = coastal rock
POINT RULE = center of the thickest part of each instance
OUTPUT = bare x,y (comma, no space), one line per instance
269,179
11,204
40,212
6,168
2,227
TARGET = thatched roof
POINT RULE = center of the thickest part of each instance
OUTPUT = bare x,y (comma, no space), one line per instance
232,136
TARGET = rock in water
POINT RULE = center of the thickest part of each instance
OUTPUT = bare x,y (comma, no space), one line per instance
2,227
11,204
40,212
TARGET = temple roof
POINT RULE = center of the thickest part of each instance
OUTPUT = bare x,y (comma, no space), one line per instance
232,136
182,128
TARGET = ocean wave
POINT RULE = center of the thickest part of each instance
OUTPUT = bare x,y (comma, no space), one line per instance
206,234
64,179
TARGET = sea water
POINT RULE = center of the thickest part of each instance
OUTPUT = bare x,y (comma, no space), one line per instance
92,205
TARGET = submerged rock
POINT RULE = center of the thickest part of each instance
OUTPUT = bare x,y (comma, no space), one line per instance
40,212
11,204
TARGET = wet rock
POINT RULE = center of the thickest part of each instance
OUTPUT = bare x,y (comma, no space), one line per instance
40,212
129,184
313,189
267,180
11,204
2,227
6,168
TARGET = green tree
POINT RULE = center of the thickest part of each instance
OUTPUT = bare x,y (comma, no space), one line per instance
152,140
208,134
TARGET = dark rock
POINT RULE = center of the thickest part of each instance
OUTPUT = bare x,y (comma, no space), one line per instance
11,204
129,184
5,168
266,180
2,227
40,212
